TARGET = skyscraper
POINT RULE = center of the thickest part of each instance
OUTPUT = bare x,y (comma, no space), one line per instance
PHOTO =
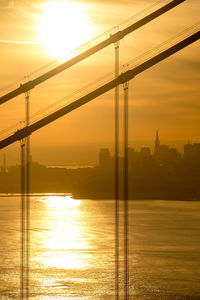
157,146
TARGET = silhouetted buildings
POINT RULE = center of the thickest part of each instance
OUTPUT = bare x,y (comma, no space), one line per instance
191,154
165,174
104,157
164,155
145,152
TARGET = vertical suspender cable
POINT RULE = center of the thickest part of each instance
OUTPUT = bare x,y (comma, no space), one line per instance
27,98
22,219
125,178
117,174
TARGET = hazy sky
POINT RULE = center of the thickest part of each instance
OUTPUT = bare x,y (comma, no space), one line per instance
166,97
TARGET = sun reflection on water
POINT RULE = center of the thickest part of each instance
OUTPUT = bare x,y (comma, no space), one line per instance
64,244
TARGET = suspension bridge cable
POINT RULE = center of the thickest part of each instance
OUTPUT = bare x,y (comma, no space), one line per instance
102,79
168,41
112,39
112,74
87,44
128,75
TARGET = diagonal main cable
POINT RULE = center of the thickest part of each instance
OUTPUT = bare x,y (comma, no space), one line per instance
18,135
112,39
71,97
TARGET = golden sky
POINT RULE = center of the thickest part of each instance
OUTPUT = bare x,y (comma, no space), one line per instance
166,97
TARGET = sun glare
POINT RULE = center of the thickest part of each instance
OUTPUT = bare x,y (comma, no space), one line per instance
63,26
65,242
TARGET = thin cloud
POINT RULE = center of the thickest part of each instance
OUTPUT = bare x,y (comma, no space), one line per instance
19,42
7,4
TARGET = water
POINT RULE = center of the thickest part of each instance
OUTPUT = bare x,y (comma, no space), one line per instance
72,249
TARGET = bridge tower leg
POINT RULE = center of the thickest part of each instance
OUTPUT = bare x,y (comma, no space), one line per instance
125,192
117,174
22,220
27,103
25,208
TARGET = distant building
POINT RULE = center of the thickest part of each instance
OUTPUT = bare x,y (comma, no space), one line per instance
174,156
104,157
132,157
165,155
145,152
131,153
191,153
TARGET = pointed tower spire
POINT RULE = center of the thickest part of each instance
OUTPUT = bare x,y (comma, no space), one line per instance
157,145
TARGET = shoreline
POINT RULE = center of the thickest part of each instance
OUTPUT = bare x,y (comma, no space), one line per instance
78,197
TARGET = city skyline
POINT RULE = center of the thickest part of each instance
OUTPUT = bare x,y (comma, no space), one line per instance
165,173
87,159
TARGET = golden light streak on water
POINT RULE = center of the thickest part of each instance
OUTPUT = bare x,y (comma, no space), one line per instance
63,244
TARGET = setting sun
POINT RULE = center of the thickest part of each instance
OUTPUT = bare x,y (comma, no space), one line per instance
63,26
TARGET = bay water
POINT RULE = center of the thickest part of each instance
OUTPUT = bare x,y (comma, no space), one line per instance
72,248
